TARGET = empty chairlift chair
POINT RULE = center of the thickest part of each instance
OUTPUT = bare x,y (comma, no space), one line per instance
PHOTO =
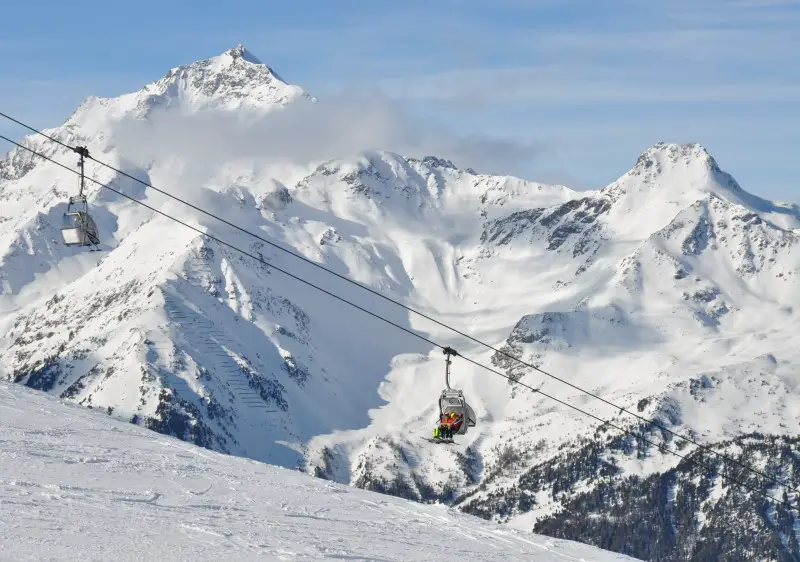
78,228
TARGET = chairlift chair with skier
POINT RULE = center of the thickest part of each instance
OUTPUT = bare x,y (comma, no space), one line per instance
456,416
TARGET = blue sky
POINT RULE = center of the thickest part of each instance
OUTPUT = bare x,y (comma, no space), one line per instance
588,83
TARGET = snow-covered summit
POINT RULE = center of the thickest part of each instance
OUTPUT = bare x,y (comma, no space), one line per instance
239,51
664,154
670,177
235,80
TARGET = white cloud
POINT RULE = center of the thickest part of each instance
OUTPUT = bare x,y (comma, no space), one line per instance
306,133
682,51
551,84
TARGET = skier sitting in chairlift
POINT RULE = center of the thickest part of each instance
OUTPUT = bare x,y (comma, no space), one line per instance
448,426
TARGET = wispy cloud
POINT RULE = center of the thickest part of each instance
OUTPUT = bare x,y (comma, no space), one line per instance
649,59
562,86
691,43
749,13
304,133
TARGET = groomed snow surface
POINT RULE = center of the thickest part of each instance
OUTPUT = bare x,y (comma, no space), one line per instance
76,484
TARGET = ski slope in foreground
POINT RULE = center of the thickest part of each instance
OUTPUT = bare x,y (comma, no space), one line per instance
76,484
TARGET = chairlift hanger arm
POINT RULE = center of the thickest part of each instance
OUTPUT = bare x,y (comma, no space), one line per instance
83,152
448,351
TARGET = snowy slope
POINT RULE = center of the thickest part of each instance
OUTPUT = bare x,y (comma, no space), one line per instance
671,292
82,486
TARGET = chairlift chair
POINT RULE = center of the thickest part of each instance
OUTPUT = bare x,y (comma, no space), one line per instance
78,228
452,400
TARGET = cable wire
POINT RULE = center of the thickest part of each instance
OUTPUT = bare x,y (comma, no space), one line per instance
376,293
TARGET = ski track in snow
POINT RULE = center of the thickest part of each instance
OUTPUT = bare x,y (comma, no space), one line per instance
79,485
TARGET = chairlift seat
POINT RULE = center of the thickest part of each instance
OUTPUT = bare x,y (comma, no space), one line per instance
452,400
79,229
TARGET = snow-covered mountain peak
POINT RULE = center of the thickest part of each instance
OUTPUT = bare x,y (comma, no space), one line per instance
664,154
438,162
231,61
235,80
676,167
239,51
668,178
